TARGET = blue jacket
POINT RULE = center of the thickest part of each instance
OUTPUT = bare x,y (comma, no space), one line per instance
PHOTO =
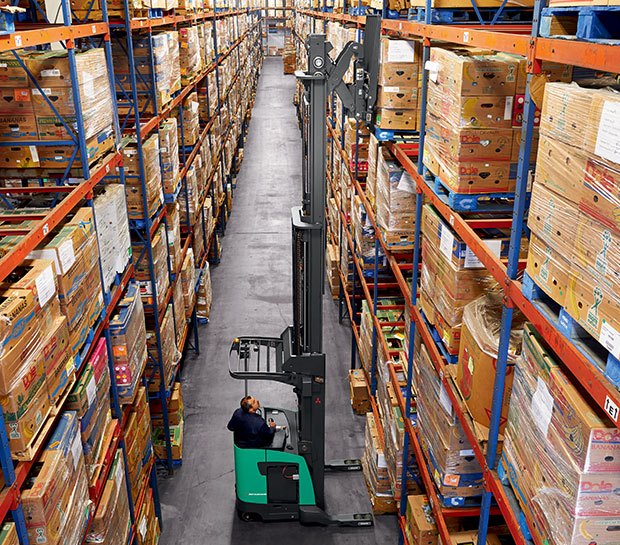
250,430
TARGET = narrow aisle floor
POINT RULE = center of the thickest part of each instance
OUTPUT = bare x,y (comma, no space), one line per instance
252,296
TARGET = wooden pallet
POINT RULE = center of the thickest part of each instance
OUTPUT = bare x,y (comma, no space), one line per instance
599,24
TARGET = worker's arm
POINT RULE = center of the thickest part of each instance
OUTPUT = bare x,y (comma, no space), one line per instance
266,432
232,424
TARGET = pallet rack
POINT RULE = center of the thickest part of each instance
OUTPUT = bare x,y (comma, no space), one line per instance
108,168
523,40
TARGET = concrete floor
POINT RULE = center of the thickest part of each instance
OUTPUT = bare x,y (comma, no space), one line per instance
252,296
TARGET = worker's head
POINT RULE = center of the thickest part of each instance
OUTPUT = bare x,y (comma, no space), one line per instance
250,404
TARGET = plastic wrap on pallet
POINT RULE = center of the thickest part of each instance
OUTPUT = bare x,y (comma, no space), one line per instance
205,295
111,523
475,372
55,496
456,471
188,279
112,231
190,120
396,196
160,267
562,455
169,153
191,59
152,177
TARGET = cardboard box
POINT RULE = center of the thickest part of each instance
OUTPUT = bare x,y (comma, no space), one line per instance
8,534
397,98
467,73
602,125
398,120
15,127
20,156
399,62
475,374
471,538
358,389
12,75
420,521
549,269
15,100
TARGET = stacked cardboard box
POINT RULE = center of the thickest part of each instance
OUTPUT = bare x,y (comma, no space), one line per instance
188,279
331,268
138,444
166,67
562,455
189,119
111,523
396,202
179,313
364,238
34,351
176,408
188,197
375,470
475,372
75,252
169,354
128,343
371,180
173,225
152,176
148,530
169,154
456,473
356,136
112,232
205,294
399,74
289,56
159,250
90,399
55,494
452,276
469,120
360,393
421,528
26,114
575,246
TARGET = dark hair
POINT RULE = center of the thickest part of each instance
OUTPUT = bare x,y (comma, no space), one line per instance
246,404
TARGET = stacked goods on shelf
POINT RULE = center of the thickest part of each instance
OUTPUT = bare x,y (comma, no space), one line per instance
73,248
451,277
359,391
189,120
365,342
371,179
364,239
331,267
112,232
169,352
136,198
169,154
41,107
562,456
469,131
574,249
188,280
190,54
395,203
90,399
356,147
55,494
475,372
392,422
173,225
399,75
138,444
34,345
456,473
111,522
129,348
288,58
204,297
159,250
375,470
147,523
176,420
164,70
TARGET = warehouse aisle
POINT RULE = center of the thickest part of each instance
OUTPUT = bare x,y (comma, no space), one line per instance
252,296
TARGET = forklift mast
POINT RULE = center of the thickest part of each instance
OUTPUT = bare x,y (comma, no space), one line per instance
296,357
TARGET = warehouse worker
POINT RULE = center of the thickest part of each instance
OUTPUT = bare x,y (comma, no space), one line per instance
249,428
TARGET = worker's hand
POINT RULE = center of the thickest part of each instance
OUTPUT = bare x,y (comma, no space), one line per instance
272,423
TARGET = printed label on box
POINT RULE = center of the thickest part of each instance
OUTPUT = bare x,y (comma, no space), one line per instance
508,108
76,450
143,527
406,183
400,51
50,73
542,406
66,256
471,259
91,391
46,288
608,137
433,70
446,242
444,399
610,339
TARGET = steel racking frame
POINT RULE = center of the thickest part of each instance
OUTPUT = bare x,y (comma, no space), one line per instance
525,41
